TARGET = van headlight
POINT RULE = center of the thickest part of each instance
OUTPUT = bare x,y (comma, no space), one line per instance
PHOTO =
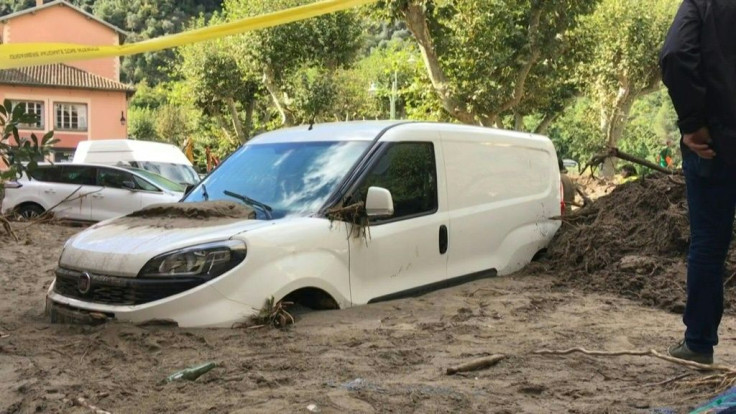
205,260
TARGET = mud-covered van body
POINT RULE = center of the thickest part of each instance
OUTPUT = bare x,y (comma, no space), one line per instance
346,214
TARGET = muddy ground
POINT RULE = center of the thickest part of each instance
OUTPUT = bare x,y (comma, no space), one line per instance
620,293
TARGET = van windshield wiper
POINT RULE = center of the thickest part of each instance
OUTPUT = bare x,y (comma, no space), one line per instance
247,200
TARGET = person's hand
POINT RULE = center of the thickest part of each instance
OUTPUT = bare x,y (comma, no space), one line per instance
698,142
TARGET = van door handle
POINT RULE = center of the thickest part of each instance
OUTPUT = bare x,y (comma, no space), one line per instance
49,191
97,196
443,239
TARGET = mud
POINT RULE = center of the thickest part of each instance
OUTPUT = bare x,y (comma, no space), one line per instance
183,215
392,356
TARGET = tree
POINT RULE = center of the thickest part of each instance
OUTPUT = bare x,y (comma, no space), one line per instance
19,154
625,38
480,55
280,54
145,19
220,86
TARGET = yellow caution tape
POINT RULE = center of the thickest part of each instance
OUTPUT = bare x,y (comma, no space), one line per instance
28,54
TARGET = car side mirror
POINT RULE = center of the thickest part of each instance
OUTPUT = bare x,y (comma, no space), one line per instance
130,185
379,202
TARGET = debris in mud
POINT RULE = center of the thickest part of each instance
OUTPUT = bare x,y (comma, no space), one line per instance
191,374
478,364
186,215
632,242
271,314
200,210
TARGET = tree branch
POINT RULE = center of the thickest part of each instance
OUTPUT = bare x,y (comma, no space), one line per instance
416,22
236,120
287,118
546,122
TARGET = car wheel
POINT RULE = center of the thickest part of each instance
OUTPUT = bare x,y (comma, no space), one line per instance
28,211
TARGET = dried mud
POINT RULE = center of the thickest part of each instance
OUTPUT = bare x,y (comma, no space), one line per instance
631,242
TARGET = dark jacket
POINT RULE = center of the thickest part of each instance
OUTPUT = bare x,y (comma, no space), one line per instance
699,68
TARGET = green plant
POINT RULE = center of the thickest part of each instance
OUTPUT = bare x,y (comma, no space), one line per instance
19,154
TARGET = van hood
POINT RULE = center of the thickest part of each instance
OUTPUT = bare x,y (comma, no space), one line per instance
118,247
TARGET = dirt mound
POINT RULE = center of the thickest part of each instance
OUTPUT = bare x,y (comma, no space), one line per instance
200,211
632,242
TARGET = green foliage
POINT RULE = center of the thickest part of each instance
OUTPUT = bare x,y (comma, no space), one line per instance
142,124
624,37
18,153
577,134
314,91
146,19
330,41
499,54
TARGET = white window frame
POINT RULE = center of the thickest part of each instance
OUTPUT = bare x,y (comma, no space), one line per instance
38,109
76,120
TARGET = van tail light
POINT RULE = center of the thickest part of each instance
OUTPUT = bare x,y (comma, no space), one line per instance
12,184
562,199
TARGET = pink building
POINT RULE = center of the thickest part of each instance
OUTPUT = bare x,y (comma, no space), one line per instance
82,100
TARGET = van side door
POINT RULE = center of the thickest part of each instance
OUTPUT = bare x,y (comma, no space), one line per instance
400,255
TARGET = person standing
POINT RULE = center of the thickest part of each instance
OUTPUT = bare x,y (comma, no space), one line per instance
698,63
664,158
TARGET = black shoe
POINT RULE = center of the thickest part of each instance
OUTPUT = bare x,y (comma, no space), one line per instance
681,351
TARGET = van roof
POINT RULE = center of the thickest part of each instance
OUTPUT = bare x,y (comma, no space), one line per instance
369,130
334,131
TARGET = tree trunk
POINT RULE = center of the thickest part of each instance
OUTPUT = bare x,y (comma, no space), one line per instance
249,108
614,123
545,124
239,132
287,118
518,121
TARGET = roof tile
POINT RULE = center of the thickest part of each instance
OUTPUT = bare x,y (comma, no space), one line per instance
60,75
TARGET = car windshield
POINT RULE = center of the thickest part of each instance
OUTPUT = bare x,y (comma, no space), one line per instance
179,173
159,180
293,178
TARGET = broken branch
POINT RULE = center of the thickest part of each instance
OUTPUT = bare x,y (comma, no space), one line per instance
478,364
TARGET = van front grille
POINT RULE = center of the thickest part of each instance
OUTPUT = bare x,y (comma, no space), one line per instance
111,290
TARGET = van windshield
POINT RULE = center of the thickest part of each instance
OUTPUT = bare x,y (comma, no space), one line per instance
293,178
180,173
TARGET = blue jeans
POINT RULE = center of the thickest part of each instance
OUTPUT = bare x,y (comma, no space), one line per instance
711,198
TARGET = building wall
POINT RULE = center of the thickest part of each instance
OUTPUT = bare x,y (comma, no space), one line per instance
62,24
104,110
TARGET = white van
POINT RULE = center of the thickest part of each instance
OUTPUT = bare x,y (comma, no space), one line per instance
444,204
163,159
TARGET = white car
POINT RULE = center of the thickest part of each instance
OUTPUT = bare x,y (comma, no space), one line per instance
87,192
443,204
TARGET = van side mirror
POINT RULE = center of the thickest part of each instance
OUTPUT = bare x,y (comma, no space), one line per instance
130,185
379,202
